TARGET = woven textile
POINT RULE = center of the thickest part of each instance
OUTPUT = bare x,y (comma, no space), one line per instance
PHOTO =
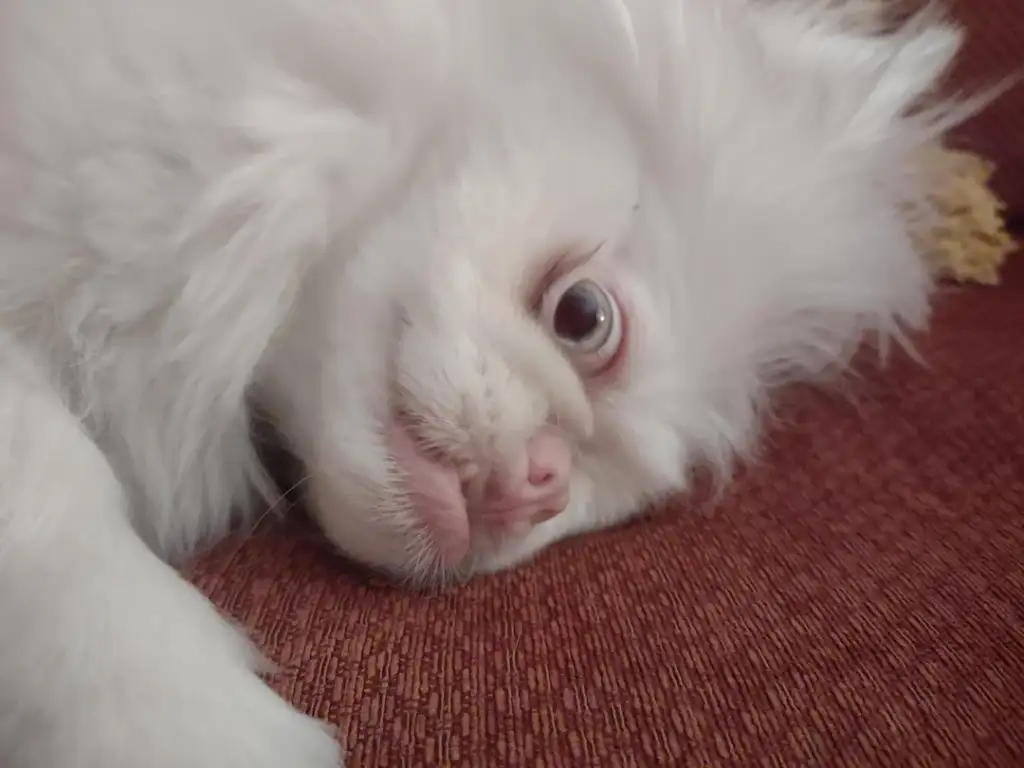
994,52
857,599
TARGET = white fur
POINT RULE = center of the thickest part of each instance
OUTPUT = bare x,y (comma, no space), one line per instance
333,209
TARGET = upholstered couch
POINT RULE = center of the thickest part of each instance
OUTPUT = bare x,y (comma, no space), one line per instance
856,599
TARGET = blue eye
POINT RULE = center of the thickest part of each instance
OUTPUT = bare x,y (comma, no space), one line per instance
583,317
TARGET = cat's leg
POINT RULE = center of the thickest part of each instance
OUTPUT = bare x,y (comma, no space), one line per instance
108,658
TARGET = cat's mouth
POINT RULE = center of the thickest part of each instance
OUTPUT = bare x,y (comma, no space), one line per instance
435,492
449,502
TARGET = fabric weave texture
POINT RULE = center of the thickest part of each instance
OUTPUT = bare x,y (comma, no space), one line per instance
857,599
993,54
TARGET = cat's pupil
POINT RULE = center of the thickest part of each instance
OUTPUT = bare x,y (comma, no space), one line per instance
579,313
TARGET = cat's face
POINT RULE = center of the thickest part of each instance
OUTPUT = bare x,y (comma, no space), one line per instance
584,287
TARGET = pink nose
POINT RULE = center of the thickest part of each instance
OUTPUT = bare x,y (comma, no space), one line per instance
543,491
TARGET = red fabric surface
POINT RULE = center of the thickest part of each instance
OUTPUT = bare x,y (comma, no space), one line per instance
857,599
994,53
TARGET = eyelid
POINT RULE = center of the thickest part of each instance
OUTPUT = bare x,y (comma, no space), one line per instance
565,263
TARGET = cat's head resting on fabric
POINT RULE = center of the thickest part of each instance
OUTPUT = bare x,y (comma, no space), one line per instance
628,225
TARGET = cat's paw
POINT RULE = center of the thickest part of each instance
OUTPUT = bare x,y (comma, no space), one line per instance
226,719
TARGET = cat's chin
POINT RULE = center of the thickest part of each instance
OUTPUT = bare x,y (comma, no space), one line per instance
515,551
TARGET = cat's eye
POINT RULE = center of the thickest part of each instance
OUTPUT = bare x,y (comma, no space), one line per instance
584,319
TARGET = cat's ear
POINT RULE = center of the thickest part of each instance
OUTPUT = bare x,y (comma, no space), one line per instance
331,124
314,143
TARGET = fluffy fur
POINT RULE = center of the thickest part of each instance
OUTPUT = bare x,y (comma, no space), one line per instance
338,212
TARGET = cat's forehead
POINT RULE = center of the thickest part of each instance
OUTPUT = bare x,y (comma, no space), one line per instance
521,198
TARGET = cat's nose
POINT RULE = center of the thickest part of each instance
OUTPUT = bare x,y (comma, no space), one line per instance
549,463
542,489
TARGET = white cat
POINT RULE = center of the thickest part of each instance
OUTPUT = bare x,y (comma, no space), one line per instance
500,271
